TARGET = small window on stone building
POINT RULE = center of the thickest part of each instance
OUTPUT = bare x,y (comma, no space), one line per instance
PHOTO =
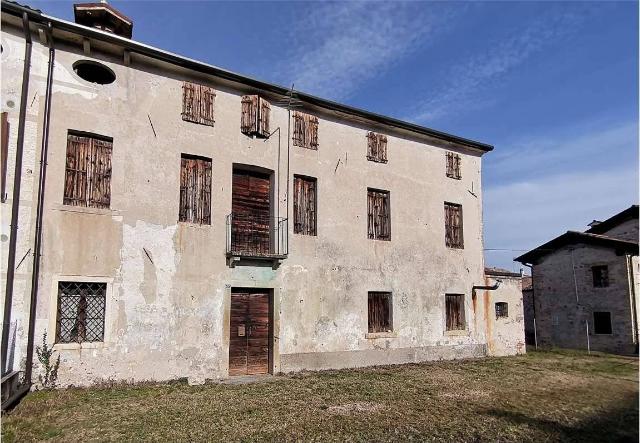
453,225
255,116
304,205
81,307
380,315
453,165
195,190
305,130
378,215
502,309
197,103
600,276
602,323
88,170
454,307
376,147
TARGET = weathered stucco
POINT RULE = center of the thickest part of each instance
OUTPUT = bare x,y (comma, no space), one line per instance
169,284
505,335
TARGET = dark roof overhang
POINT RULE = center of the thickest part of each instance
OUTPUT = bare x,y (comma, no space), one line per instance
628,214
134,47
575,237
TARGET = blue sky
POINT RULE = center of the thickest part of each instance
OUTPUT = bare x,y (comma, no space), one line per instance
553,85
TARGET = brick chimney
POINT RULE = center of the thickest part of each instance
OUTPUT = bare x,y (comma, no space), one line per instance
103,16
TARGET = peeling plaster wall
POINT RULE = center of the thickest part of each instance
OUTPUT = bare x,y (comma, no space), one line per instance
167,312
505,335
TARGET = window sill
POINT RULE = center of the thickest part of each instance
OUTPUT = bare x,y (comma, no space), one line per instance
457,333
374,335
86,210
77,346
455,248
194,225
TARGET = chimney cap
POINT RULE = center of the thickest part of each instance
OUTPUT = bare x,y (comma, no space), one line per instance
103,16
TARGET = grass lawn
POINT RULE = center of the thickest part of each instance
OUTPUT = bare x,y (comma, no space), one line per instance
543,396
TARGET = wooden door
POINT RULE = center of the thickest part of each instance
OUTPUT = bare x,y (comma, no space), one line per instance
251,207
249,338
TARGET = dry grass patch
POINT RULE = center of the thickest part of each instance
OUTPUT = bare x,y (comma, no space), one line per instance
543,396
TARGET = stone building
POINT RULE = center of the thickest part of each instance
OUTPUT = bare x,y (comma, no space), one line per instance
179,220
585,286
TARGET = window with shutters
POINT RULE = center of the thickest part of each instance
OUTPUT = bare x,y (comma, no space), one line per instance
88,170
198,103
380,312
376,147
453,165
602,323
378,214
80,315
195,190
305,130
453,225
304,205
255,116
454,307
502,309
600,276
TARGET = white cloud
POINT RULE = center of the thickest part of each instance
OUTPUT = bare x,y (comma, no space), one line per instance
339,46
465,82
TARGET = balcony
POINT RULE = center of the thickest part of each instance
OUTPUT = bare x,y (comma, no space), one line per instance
253,237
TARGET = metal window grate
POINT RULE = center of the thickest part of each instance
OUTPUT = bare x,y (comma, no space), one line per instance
81,307
502,309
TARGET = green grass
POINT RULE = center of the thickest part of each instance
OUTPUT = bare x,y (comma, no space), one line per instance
543,396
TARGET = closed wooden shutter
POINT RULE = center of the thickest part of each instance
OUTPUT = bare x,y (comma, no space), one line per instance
198,103
305,130
377,147
379,312
264,115
88,172
453,225
378,215
304,205
251,213
453,166
195,190
454,306
255,116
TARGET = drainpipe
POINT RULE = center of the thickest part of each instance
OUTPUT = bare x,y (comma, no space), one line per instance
488,288
15,203
37,246
632,292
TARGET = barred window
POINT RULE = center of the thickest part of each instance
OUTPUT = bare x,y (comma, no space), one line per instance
304,205
379,215
602,323
197,103
380,312
81,307
502,309
88,170
376,147
453,225
255,116
305,130
454,306
600,276
453,165
195,190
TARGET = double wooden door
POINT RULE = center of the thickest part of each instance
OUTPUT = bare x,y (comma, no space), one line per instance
250,331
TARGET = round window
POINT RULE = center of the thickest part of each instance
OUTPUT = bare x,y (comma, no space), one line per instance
94,72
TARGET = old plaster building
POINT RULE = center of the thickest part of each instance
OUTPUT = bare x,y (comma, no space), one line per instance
585,287
179,220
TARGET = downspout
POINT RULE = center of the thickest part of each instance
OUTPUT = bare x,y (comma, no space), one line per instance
473,295
632,292
15,203
37,245
488,288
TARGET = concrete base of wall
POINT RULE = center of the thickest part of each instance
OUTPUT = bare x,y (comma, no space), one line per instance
358,359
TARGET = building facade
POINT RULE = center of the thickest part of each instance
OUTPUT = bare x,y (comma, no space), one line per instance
201,224
585,287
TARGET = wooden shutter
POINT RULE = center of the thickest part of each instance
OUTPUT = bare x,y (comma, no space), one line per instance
195,190
453,165
379,312
88,172
255,116
453,225
454,305
377,147
264,115
304,206
305,130
198,103
312,128
382,148
298,129
378,217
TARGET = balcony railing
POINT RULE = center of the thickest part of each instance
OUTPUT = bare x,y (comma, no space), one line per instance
255,236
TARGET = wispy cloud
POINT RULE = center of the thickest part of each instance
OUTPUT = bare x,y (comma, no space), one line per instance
465,84
339,46
542,200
